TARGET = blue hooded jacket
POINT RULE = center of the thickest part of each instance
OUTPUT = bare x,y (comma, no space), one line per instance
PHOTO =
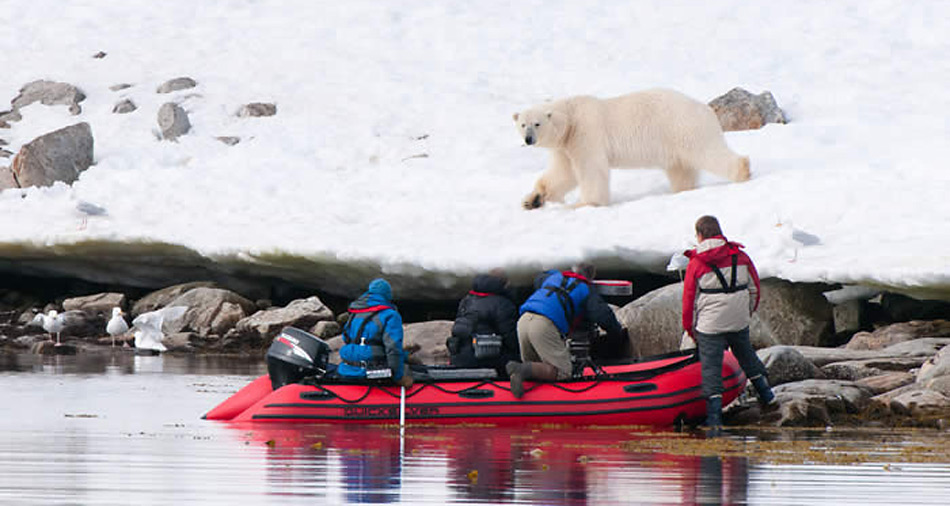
381,336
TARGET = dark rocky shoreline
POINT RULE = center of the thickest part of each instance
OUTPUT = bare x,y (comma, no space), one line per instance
861,361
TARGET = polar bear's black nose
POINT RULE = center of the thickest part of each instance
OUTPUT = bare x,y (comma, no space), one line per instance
529,140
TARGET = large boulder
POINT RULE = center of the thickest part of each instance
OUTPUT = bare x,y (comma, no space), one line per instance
211,311
792,314
160,298
60,155
100,303
654,321
302,313
740,110
785,364
426,341
49,93
898,333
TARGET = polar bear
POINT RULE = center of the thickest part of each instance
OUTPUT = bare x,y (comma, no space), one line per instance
588,136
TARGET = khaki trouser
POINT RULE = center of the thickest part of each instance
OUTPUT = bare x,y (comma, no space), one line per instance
541,341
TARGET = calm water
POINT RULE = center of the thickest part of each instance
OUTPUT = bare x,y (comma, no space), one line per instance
122,429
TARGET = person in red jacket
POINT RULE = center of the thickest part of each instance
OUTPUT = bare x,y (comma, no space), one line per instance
720,293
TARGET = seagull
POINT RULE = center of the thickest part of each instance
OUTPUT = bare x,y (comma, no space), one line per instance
794,238
52,322
149,334
117,325
87,209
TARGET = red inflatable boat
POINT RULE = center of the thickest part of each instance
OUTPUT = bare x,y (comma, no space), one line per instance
660,391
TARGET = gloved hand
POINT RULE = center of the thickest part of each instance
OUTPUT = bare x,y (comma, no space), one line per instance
453,345
405,380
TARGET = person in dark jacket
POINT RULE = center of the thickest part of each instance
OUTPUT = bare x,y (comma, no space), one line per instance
486,314
562,301
373,338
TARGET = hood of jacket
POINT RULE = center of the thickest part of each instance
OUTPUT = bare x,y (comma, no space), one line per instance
368,300
486,283
714,249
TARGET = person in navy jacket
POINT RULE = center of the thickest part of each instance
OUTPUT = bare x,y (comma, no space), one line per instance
373,336
562,301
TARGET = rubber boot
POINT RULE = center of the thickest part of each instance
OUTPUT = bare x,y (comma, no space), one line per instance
762,388
714,414
518,372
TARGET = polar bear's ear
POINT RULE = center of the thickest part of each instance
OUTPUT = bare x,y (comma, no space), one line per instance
514,116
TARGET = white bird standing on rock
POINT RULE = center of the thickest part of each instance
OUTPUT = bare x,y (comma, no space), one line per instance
149,334
117,325
52,322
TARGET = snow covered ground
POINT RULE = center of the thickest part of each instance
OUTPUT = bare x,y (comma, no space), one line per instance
393,142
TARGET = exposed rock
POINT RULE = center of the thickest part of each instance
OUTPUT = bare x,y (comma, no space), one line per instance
886,382
160,298
173,120
82,324
178,83
859,369
804,402
920,403
230,141
60,155
335,343
124,107
256,110
326,329
785,364
51,348
120,86
924,347
101,303
897,333
6,179
740,110
936,366
210,311
12,115
849,316
301,313
181,341
5,153
654,321
50,93
792,314
100,55
939,384
426,341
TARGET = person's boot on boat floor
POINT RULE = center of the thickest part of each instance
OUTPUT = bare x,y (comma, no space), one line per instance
520,371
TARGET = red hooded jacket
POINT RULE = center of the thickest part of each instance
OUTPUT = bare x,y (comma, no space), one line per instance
709,306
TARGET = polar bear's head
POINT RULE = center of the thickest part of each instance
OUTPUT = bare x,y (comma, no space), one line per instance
541,126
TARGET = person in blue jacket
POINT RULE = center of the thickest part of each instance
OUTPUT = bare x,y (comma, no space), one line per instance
372,338
561,302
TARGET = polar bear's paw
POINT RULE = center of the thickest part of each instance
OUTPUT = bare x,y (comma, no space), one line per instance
533,200
742,172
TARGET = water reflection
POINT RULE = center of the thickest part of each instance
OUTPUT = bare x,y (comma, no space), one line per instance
556,465
125,361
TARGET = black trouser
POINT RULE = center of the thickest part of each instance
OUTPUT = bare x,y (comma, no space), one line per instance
712,346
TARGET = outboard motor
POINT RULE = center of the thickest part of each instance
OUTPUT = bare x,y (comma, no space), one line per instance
294,355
